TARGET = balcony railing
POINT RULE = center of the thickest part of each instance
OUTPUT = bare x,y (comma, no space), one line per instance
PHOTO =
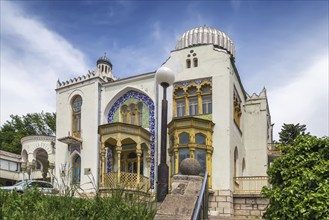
127,181
250,184
273,149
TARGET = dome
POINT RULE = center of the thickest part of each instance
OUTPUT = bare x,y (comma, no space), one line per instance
104,60
204,36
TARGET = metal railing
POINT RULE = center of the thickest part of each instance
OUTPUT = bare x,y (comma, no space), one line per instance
127,181
201,209
249,184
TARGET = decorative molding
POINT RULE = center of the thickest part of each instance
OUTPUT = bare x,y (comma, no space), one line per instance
189,82
150,104
38,138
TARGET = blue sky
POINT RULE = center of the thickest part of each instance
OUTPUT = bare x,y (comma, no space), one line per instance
282,45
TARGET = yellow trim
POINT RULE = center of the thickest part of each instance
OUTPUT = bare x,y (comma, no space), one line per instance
192,126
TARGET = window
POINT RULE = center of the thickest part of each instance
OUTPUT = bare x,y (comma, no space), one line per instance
188,63
200,139
206,104
132,114
180,105
76,168
194,95
184,138
195,62
192,90
179,92
76,109
124,112
200,156
183,153
193,106
237,109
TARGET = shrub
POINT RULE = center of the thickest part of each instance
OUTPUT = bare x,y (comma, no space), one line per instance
34,205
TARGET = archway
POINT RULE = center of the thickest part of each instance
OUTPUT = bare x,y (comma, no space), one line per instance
150,104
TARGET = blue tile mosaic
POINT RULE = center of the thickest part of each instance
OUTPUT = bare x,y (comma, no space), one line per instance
150,104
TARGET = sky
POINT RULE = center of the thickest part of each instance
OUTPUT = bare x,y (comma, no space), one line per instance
280,45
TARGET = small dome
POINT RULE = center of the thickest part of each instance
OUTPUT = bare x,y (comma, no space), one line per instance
104,60
204,36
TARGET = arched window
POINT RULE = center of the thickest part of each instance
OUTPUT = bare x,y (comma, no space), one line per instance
237,109
188,63
200,138
195,62
76,169
206,99
132,114
76,116
124,113
184,138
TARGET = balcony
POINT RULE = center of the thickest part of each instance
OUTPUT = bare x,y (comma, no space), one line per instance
273,151
249,184
126,181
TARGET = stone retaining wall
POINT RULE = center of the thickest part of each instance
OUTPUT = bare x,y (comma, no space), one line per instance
249,206
221,203
224,203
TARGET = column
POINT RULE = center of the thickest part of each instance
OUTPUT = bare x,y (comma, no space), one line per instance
103,151
187,110
119,149
139,153
199,103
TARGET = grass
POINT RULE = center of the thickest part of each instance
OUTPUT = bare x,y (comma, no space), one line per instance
32,204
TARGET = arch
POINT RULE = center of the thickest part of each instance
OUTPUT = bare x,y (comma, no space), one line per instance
195,62
150,104
41,161
76,168
76,104
184,138
200,138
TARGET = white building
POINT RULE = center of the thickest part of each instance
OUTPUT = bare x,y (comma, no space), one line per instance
109,129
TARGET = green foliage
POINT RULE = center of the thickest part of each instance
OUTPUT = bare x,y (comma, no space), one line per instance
12,131
289,132
34,205
300,181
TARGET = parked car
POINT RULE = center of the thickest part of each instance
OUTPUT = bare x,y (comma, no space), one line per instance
22,186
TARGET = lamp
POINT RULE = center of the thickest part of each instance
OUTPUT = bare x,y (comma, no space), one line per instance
165,77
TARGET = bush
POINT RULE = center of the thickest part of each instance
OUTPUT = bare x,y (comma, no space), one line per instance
34,205
300,181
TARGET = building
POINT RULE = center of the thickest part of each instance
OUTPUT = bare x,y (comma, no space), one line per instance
108,129
10,167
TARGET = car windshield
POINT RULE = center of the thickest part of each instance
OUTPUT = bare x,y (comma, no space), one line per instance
20,183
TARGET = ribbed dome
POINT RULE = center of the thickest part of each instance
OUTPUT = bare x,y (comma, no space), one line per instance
206,35
104,60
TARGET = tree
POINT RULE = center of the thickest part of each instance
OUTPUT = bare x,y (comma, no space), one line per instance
290,132
300,181
12,131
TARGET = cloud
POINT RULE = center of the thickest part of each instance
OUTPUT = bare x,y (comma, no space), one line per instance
303,100
32,59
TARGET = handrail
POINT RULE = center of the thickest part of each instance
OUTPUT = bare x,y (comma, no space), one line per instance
202,201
